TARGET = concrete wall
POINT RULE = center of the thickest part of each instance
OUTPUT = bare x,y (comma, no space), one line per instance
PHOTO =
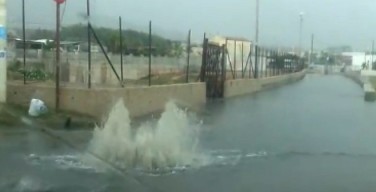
246,86
139,100
355,76
97,102
3,66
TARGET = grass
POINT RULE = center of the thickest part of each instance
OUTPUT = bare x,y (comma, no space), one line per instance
6,119
373,81
51,119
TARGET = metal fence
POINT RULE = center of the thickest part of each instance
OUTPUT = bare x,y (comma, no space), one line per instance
37,61
74,68
261,62
220,64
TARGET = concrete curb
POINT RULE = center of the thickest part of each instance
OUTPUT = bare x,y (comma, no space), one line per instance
369,90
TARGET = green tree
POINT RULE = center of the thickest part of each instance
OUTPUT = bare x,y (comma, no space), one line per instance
132,40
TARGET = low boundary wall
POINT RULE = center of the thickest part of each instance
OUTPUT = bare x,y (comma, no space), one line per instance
247,86
98,102
363,81
140,101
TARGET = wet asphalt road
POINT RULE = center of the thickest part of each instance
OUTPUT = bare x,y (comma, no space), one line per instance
314,135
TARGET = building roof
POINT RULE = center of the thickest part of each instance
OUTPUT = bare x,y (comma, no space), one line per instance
70,43
237,39
45,41
353,53
221,39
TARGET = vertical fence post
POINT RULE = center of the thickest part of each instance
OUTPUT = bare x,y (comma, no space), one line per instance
88,44
274,59
224,75
284,63
260,74
283,60
188,54
242,60
256,62
203,60
150,39
24,40
262,62
266,62
235,56
276,64
250,60
121,50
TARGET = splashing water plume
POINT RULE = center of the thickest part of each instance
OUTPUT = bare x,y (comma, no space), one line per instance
170,142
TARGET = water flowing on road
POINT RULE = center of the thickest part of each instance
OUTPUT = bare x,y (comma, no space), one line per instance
314,135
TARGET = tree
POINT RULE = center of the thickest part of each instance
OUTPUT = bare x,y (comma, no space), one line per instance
132,40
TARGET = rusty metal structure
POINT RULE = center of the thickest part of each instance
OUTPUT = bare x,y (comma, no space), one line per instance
213,70
259,62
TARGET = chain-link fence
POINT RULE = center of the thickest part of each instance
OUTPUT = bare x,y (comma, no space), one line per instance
115,55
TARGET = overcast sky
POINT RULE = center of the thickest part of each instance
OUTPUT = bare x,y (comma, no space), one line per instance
334,22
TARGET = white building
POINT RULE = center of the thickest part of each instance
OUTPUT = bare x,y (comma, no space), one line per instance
238,50
360,58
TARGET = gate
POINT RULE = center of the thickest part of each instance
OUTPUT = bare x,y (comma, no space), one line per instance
213,70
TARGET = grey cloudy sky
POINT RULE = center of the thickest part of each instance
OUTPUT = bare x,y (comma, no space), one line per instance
334,22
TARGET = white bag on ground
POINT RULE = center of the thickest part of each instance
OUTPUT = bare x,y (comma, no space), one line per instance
37,108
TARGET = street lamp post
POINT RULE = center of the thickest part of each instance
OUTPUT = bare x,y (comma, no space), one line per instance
257,21
301,17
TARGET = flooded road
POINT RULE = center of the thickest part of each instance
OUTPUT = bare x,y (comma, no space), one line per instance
314,135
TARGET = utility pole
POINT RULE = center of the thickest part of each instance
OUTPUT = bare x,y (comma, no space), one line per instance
311,52
57,47
24,40
88,42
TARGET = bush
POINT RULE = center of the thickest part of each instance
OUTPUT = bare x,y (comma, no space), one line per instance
35,75
14,65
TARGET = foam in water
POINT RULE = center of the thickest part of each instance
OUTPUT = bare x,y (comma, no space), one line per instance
170,142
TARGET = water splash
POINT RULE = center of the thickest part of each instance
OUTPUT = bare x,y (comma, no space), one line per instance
170,142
